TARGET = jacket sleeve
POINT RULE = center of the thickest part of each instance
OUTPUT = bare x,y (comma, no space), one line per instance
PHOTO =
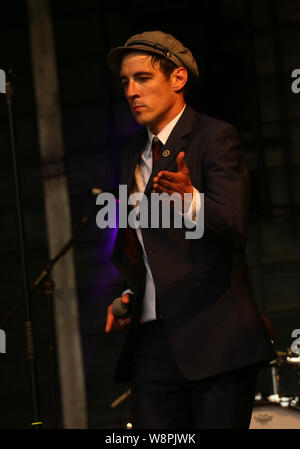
226,186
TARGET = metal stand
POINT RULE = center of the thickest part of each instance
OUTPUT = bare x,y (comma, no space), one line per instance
275,380
49,290
49,287
30,289
36,422
84,223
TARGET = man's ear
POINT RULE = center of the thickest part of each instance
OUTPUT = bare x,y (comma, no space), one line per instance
179,78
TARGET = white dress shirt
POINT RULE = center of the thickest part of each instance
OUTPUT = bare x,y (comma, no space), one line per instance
142,174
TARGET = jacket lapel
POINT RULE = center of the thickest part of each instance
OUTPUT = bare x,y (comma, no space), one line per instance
176,142
127,252
132,159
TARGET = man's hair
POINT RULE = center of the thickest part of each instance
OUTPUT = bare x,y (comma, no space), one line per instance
165,65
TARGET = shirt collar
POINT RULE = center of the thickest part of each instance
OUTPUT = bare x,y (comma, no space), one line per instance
163,135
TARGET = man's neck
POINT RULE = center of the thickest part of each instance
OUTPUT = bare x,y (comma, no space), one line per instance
156,129
164,133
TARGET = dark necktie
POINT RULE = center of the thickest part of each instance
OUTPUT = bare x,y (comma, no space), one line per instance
156,146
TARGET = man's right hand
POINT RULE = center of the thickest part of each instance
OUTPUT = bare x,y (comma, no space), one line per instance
114,322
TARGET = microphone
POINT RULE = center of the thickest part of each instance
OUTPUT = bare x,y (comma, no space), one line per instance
120,309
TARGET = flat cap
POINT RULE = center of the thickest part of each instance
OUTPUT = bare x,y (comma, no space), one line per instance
159,43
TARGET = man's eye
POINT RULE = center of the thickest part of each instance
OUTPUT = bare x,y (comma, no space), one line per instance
144,78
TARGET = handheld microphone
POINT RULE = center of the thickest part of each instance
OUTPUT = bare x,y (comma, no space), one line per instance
120,309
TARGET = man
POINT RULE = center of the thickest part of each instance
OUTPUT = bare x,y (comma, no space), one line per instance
195,337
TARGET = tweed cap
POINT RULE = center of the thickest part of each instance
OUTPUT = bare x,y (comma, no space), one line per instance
159,43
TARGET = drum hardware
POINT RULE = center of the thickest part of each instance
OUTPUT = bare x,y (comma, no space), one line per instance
274,364
285,401
293,360
285,358
275,380
276,411
274,398
268,415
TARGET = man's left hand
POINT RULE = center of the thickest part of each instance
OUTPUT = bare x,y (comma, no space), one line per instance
171,182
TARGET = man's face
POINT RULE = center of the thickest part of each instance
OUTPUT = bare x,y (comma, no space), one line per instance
151,95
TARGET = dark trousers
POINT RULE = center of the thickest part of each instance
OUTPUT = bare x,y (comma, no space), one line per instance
162,398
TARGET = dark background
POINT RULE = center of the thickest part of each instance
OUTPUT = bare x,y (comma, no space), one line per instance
246,51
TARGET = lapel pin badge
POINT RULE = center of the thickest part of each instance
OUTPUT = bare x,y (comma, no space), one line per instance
166,153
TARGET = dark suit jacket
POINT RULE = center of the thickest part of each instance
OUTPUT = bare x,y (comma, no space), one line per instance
202,287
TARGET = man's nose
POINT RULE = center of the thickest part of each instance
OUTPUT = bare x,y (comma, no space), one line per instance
131,90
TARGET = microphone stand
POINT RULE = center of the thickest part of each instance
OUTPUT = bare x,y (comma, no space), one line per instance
46,270
48,284
42,277
36,423
49,287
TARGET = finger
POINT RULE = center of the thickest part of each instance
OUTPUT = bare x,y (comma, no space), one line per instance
109,320
119,323
165,184
181,164
161,189
125,298
124,321
168,175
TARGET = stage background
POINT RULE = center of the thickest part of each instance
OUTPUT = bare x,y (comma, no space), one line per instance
246,51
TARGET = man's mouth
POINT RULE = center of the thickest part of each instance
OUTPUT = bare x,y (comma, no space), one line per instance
137,107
